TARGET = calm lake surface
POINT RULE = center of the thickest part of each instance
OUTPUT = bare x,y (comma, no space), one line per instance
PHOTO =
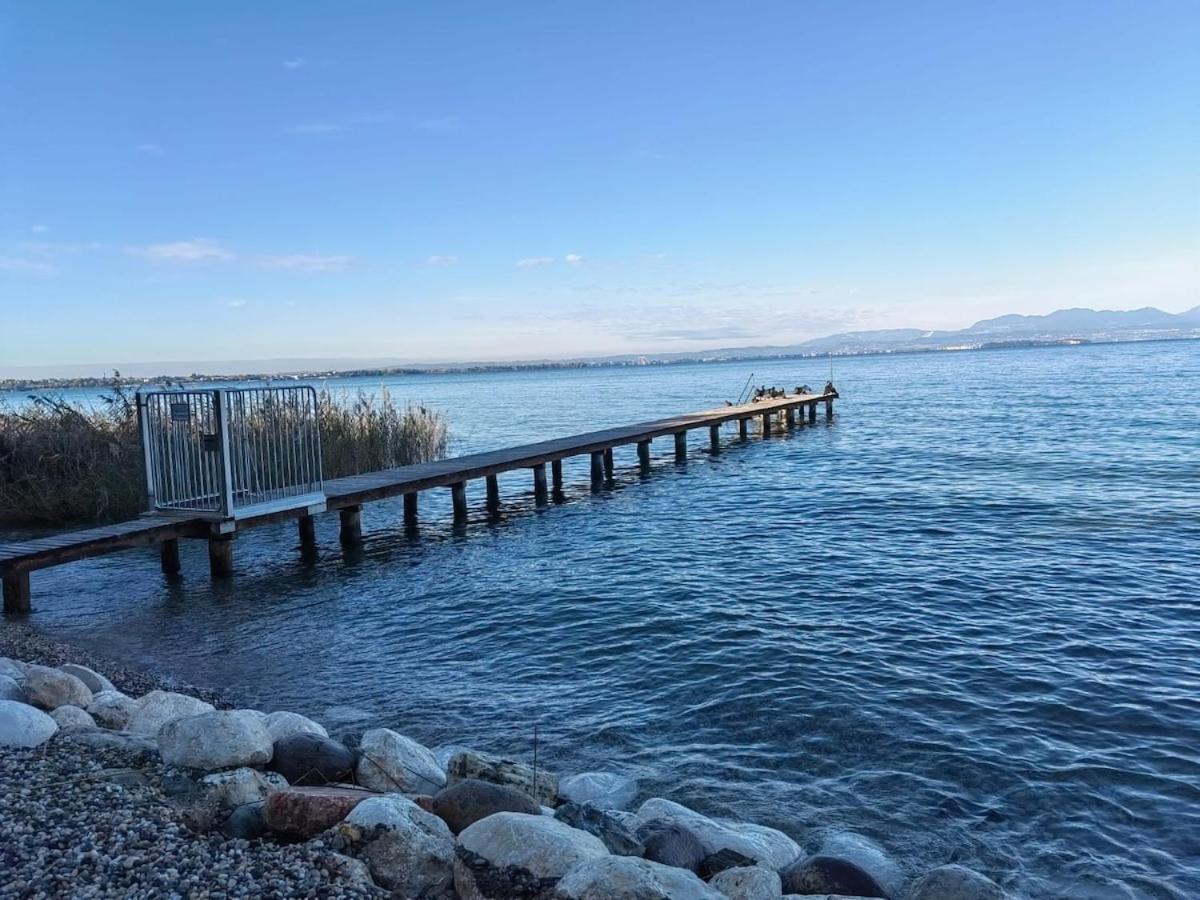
961,619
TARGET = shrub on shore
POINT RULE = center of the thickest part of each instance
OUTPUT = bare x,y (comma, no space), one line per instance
67,463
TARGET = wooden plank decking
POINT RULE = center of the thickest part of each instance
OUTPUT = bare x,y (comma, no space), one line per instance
348,494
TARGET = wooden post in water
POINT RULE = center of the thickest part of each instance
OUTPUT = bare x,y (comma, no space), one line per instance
458,495
644,456
789,417
493,495
812,413
680,446
556,475
597,470
743,428
714,438
308,537
350,533
220,556
766,424
410,510
828,410
16,593
168,555
539,484
608,466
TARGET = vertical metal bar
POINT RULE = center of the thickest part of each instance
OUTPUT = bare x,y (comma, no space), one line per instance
220,403
147,459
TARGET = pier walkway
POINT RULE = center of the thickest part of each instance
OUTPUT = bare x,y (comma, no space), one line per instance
347,495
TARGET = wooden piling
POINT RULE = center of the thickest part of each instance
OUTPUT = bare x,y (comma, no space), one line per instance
220,556
168,556
539,484
644,456
743,428
828,410
493,495
597,470
789,418
410,510
307,526
680,446
557,479
812,413
766,424
714,438
608,465
16,593
350,532
458,494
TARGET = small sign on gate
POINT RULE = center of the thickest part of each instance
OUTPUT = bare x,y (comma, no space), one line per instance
181,412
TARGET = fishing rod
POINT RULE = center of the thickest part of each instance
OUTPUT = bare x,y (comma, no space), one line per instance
746,385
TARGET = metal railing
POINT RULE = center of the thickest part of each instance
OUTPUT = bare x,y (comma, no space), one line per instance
228,453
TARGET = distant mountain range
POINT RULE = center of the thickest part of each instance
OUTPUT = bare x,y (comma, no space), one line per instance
1065,326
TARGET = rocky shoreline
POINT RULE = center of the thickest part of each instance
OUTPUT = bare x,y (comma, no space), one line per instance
123,785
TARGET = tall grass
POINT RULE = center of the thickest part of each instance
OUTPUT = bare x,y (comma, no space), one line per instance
67,463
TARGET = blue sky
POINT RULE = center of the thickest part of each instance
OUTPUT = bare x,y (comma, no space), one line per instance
448,181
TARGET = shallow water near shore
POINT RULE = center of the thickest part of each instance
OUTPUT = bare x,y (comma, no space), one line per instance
961,618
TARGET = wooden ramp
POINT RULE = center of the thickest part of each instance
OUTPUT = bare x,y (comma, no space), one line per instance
348,494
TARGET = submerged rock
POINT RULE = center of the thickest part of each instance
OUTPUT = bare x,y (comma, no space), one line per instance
606,790
765,846
112,709
93,679
308,758
608,825
868,856
23,726
284,724
955,883
390,762
72,717
541,785
157,708
516,855
215,740
466,802
302,812
408,850
51,688
748,883
829,875
629,878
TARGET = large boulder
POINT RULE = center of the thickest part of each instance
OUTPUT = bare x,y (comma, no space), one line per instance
766,846
608,825
10,689
112,709
539,784
408,850
93,679
830,875
308,758
868,856
51,688
72,717
466,802
391,762
23,726
284,724
14,669
629,878
671,845
516,855
954,883
302,812
606,790
237,787
220,739
157,708
748,883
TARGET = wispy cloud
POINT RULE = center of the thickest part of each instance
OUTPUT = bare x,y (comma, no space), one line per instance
39,229
440,261
298,62
195,250
314,128
236,303
442,123
305,262
534,262
341,123
149,149
17,264
574,259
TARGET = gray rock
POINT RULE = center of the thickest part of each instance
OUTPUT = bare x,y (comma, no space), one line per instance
516,855
112,709
954,883
72,717
10,689
391,762
246,822
408,850
766,846
671,845
346,870
284,724
93,679
443,753
215,740
51,688
616,834
718,862
124,741
541,785
868,856
829,875
748,883
606,790
238,787
466,802
628,878
12,668
157,708
23,726
308,758
302,812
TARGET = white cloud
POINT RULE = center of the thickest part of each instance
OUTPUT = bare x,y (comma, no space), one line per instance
149,149
441,260
305,262
195,250
39,229
17,264
295,63
574,259
236,303
533,262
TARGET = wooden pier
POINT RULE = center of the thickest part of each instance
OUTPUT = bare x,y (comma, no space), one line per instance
347,495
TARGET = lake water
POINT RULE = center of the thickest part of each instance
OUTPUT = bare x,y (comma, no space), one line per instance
961,619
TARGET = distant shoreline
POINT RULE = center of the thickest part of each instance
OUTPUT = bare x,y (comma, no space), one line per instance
52,384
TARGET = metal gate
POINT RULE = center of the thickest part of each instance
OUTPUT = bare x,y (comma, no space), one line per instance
230,453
